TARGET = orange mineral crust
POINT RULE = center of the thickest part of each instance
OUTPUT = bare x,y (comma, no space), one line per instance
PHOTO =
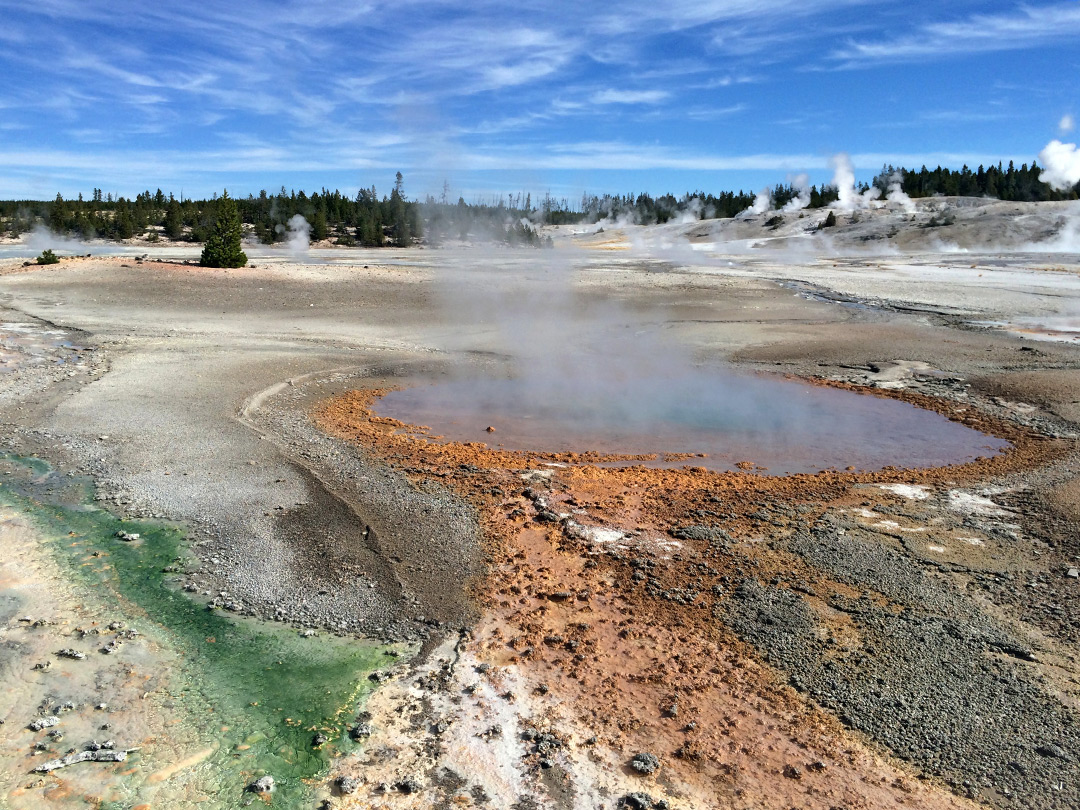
610,615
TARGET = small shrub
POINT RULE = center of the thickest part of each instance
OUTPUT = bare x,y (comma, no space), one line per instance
48,257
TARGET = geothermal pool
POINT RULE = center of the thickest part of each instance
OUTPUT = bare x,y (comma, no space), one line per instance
725,419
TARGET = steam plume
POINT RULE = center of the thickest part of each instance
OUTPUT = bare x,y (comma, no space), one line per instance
801,183
762,202
42,238
897,194
693,211
1067,124
844,180
299,235
1062,165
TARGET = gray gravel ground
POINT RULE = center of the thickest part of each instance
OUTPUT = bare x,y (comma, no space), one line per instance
931,676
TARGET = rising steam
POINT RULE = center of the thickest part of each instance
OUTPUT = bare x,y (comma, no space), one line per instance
1062,165
844,179
762,202
896,194
298,237
801,184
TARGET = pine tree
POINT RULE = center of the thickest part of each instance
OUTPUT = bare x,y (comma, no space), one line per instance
318,226
174,224
399,216
58,216
222,248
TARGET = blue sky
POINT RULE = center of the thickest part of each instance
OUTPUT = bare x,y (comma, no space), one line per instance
535,96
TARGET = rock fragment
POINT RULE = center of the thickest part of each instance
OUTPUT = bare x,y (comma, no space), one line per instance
100,755
264,784
645,763
43,723
640,801
347,785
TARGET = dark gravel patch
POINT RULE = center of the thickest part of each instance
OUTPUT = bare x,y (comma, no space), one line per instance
929,677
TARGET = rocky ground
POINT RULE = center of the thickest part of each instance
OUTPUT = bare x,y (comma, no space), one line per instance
596,636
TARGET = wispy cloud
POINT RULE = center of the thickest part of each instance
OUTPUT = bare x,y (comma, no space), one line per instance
612,96
679,15
1028,27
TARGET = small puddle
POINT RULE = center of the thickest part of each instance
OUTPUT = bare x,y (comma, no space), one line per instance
781,426
25,344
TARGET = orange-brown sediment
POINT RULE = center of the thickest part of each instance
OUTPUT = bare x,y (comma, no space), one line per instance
560,608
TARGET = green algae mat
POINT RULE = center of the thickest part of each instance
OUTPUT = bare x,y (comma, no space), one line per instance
256,693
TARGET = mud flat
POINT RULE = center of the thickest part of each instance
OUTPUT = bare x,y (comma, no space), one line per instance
588,635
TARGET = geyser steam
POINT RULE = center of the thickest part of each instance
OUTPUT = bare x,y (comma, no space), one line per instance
896,193
844,179
762,202
298,235
1062,165
801,184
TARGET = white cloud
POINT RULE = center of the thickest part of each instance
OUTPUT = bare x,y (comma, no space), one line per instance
1067,124
679,15
612,96
980,33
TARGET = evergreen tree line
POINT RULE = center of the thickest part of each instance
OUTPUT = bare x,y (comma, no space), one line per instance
361,220
997,182
368,220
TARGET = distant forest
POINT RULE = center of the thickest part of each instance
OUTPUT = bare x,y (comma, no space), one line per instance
394,220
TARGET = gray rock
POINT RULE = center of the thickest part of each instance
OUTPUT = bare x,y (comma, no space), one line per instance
1052,750
264,784
361,731
640,801
347,785
645,763
713,535
43,722
82,756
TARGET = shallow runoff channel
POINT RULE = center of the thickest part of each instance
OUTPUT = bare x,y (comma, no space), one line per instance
256,698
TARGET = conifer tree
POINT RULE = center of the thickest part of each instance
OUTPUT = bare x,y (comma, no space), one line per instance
174,223
318,226
222,248
399,214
